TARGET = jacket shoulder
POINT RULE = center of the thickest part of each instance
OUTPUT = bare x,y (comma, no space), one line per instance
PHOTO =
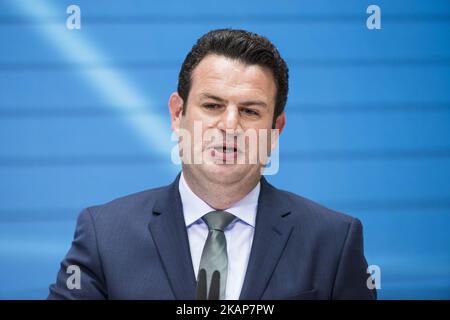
127,205
307,210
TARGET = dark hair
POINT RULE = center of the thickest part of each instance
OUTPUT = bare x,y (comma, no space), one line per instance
247,47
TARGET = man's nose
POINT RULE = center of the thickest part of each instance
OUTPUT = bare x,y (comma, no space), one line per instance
229,119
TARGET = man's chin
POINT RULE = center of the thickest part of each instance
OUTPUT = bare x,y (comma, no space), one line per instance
225,172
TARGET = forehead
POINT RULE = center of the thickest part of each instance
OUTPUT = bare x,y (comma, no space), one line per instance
230,77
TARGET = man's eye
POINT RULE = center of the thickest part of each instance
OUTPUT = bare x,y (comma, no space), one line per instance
250,112
212,106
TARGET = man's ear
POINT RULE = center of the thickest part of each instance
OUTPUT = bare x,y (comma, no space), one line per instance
176,110
280,122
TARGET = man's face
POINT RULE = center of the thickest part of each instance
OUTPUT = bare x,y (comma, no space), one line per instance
227,98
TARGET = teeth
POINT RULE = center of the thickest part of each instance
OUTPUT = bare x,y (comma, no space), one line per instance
226,150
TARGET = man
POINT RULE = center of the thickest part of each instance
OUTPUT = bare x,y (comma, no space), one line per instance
220,230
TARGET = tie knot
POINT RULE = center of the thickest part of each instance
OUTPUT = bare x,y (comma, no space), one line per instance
218,220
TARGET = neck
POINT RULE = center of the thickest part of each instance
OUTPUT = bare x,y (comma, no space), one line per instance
218,195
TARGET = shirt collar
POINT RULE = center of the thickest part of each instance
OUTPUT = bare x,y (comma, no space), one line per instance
194,207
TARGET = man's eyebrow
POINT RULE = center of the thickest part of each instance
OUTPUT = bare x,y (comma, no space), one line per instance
213,97
244,103
253,102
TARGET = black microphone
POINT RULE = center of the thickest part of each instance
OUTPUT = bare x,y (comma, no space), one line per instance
201,285
214,290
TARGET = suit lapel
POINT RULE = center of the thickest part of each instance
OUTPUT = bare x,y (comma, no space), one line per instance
272,232
168,230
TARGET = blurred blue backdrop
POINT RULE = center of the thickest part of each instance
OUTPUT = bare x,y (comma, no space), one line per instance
83,120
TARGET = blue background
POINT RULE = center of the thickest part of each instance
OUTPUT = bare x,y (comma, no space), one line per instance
84,119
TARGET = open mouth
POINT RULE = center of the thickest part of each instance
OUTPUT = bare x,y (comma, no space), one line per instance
225,149
224,153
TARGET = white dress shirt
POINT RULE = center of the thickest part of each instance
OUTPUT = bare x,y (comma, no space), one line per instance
239,233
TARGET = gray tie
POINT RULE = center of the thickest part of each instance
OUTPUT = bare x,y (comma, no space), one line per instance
214,255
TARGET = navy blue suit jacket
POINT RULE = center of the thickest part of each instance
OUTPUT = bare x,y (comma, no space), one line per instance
136,247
